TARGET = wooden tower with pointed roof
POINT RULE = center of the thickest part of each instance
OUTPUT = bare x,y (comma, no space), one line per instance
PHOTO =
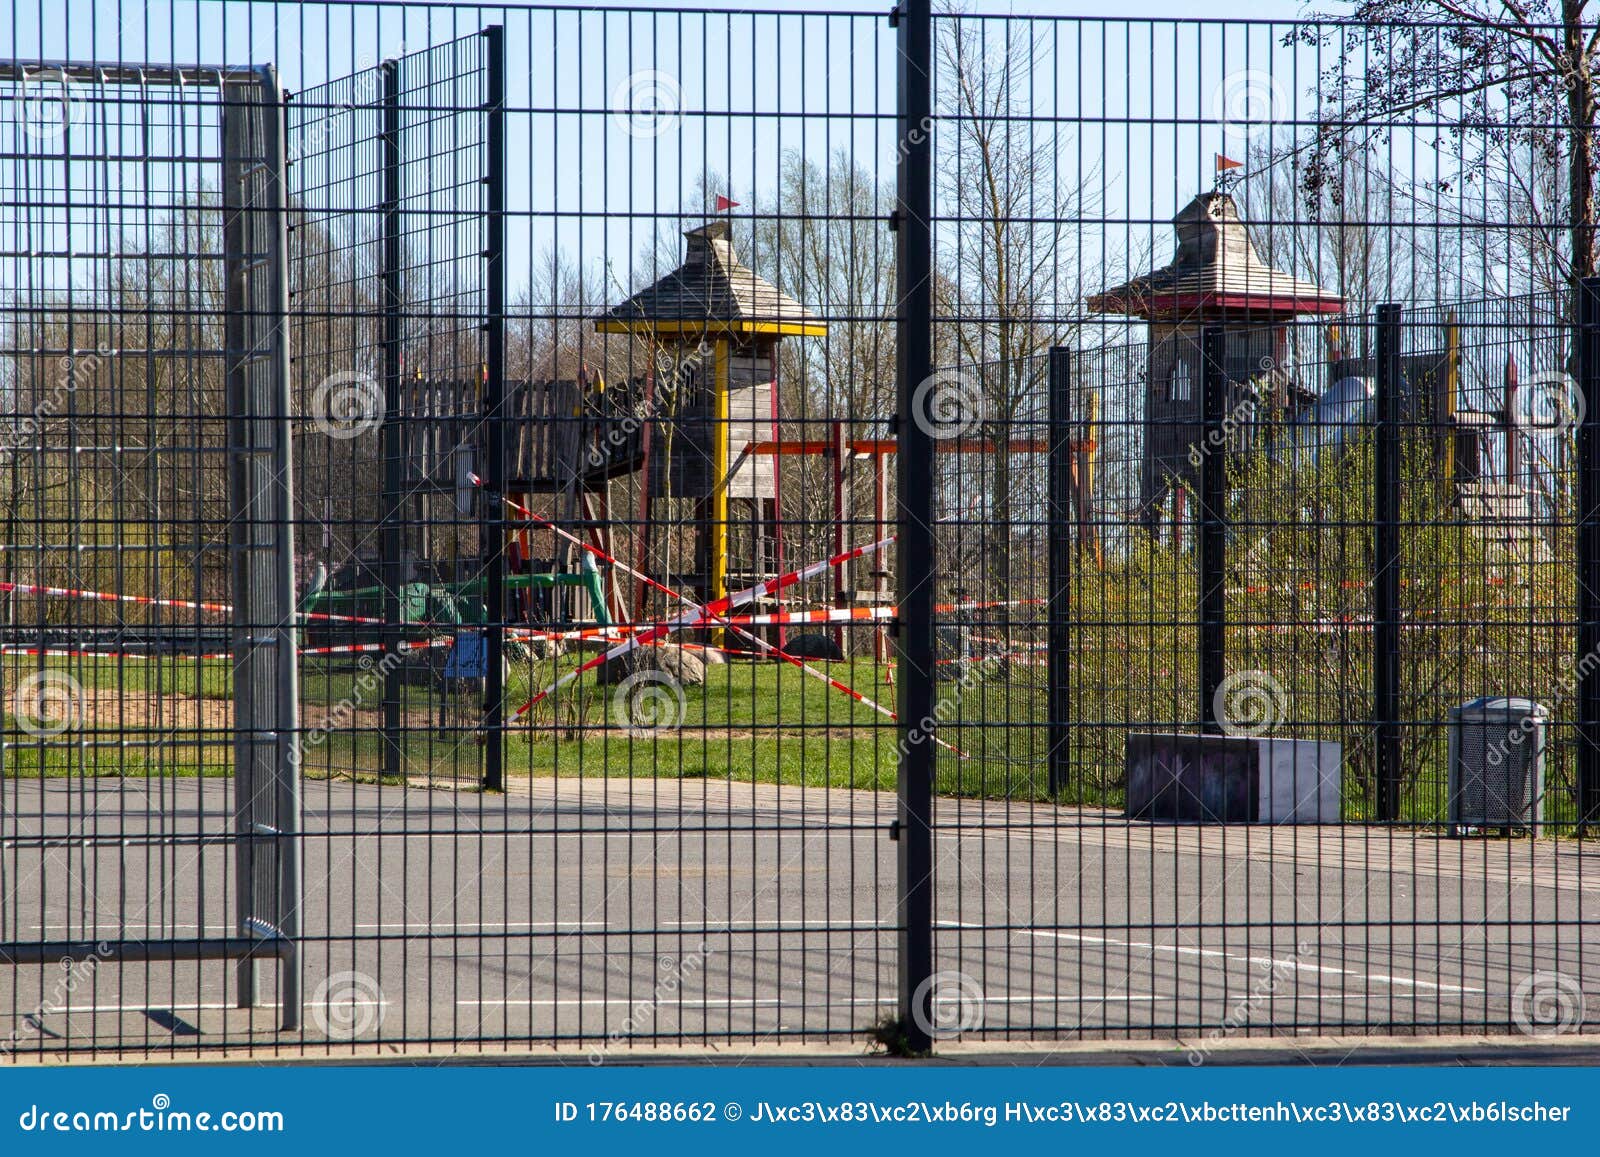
1216,278
723,323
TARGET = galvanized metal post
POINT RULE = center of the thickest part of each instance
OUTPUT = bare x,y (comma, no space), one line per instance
914,477
1386,564
1588,576
286,638
391,536
236,142
492,510
1211,541
1059,525
261,537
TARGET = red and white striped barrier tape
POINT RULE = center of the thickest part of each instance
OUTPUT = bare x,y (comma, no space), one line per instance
698,616
152,601
708,614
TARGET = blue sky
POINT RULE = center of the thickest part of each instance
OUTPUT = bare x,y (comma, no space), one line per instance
1134,107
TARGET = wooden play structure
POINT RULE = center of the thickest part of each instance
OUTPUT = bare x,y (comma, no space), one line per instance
718,325
713,330
1215,279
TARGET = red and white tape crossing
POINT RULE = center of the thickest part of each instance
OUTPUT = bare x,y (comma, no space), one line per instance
713,614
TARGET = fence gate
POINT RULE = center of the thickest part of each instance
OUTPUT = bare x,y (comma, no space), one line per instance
397,187
1268,592
149,814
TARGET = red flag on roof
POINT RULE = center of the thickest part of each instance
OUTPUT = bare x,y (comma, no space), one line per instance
1226,163
724,203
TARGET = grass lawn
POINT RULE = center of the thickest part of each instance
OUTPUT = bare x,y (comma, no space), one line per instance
760,722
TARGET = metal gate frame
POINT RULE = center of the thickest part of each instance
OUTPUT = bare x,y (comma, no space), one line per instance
385,151
261,478
261,539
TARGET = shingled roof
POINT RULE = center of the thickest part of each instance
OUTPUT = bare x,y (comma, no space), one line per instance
712,290
1216,268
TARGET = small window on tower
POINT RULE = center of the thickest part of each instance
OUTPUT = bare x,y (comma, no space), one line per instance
1178,383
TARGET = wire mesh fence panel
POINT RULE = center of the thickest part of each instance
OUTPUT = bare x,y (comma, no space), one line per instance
708,306
390,266
1309,561
804,526
149,808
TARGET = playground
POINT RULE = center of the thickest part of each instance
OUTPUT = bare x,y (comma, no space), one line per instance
1070,523
707,635
470,539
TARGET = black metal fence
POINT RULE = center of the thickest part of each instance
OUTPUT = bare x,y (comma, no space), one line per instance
803,526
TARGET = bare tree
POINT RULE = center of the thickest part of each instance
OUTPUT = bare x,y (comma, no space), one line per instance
822,238
1013,279
550,330
1487,81
1331,235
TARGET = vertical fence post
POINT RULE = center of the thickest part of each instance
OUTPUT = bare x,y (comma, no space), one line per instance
291,864
1212,543
1588,576
391,536
1057,528
1386,565
243,528
914,556
492,510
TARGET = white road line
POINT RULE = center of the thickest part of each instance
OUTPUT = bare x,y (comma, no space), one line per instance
712,1002
1262,961
204,1006
110,928
707,1004
464,929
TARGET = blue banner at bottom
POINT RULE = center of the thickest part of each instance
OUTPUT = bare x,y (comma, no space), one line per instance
938,1107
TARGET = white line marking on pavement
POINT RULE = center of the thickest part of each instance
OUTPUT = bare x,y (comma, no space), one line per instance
266,1010
712,1002
1262,961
